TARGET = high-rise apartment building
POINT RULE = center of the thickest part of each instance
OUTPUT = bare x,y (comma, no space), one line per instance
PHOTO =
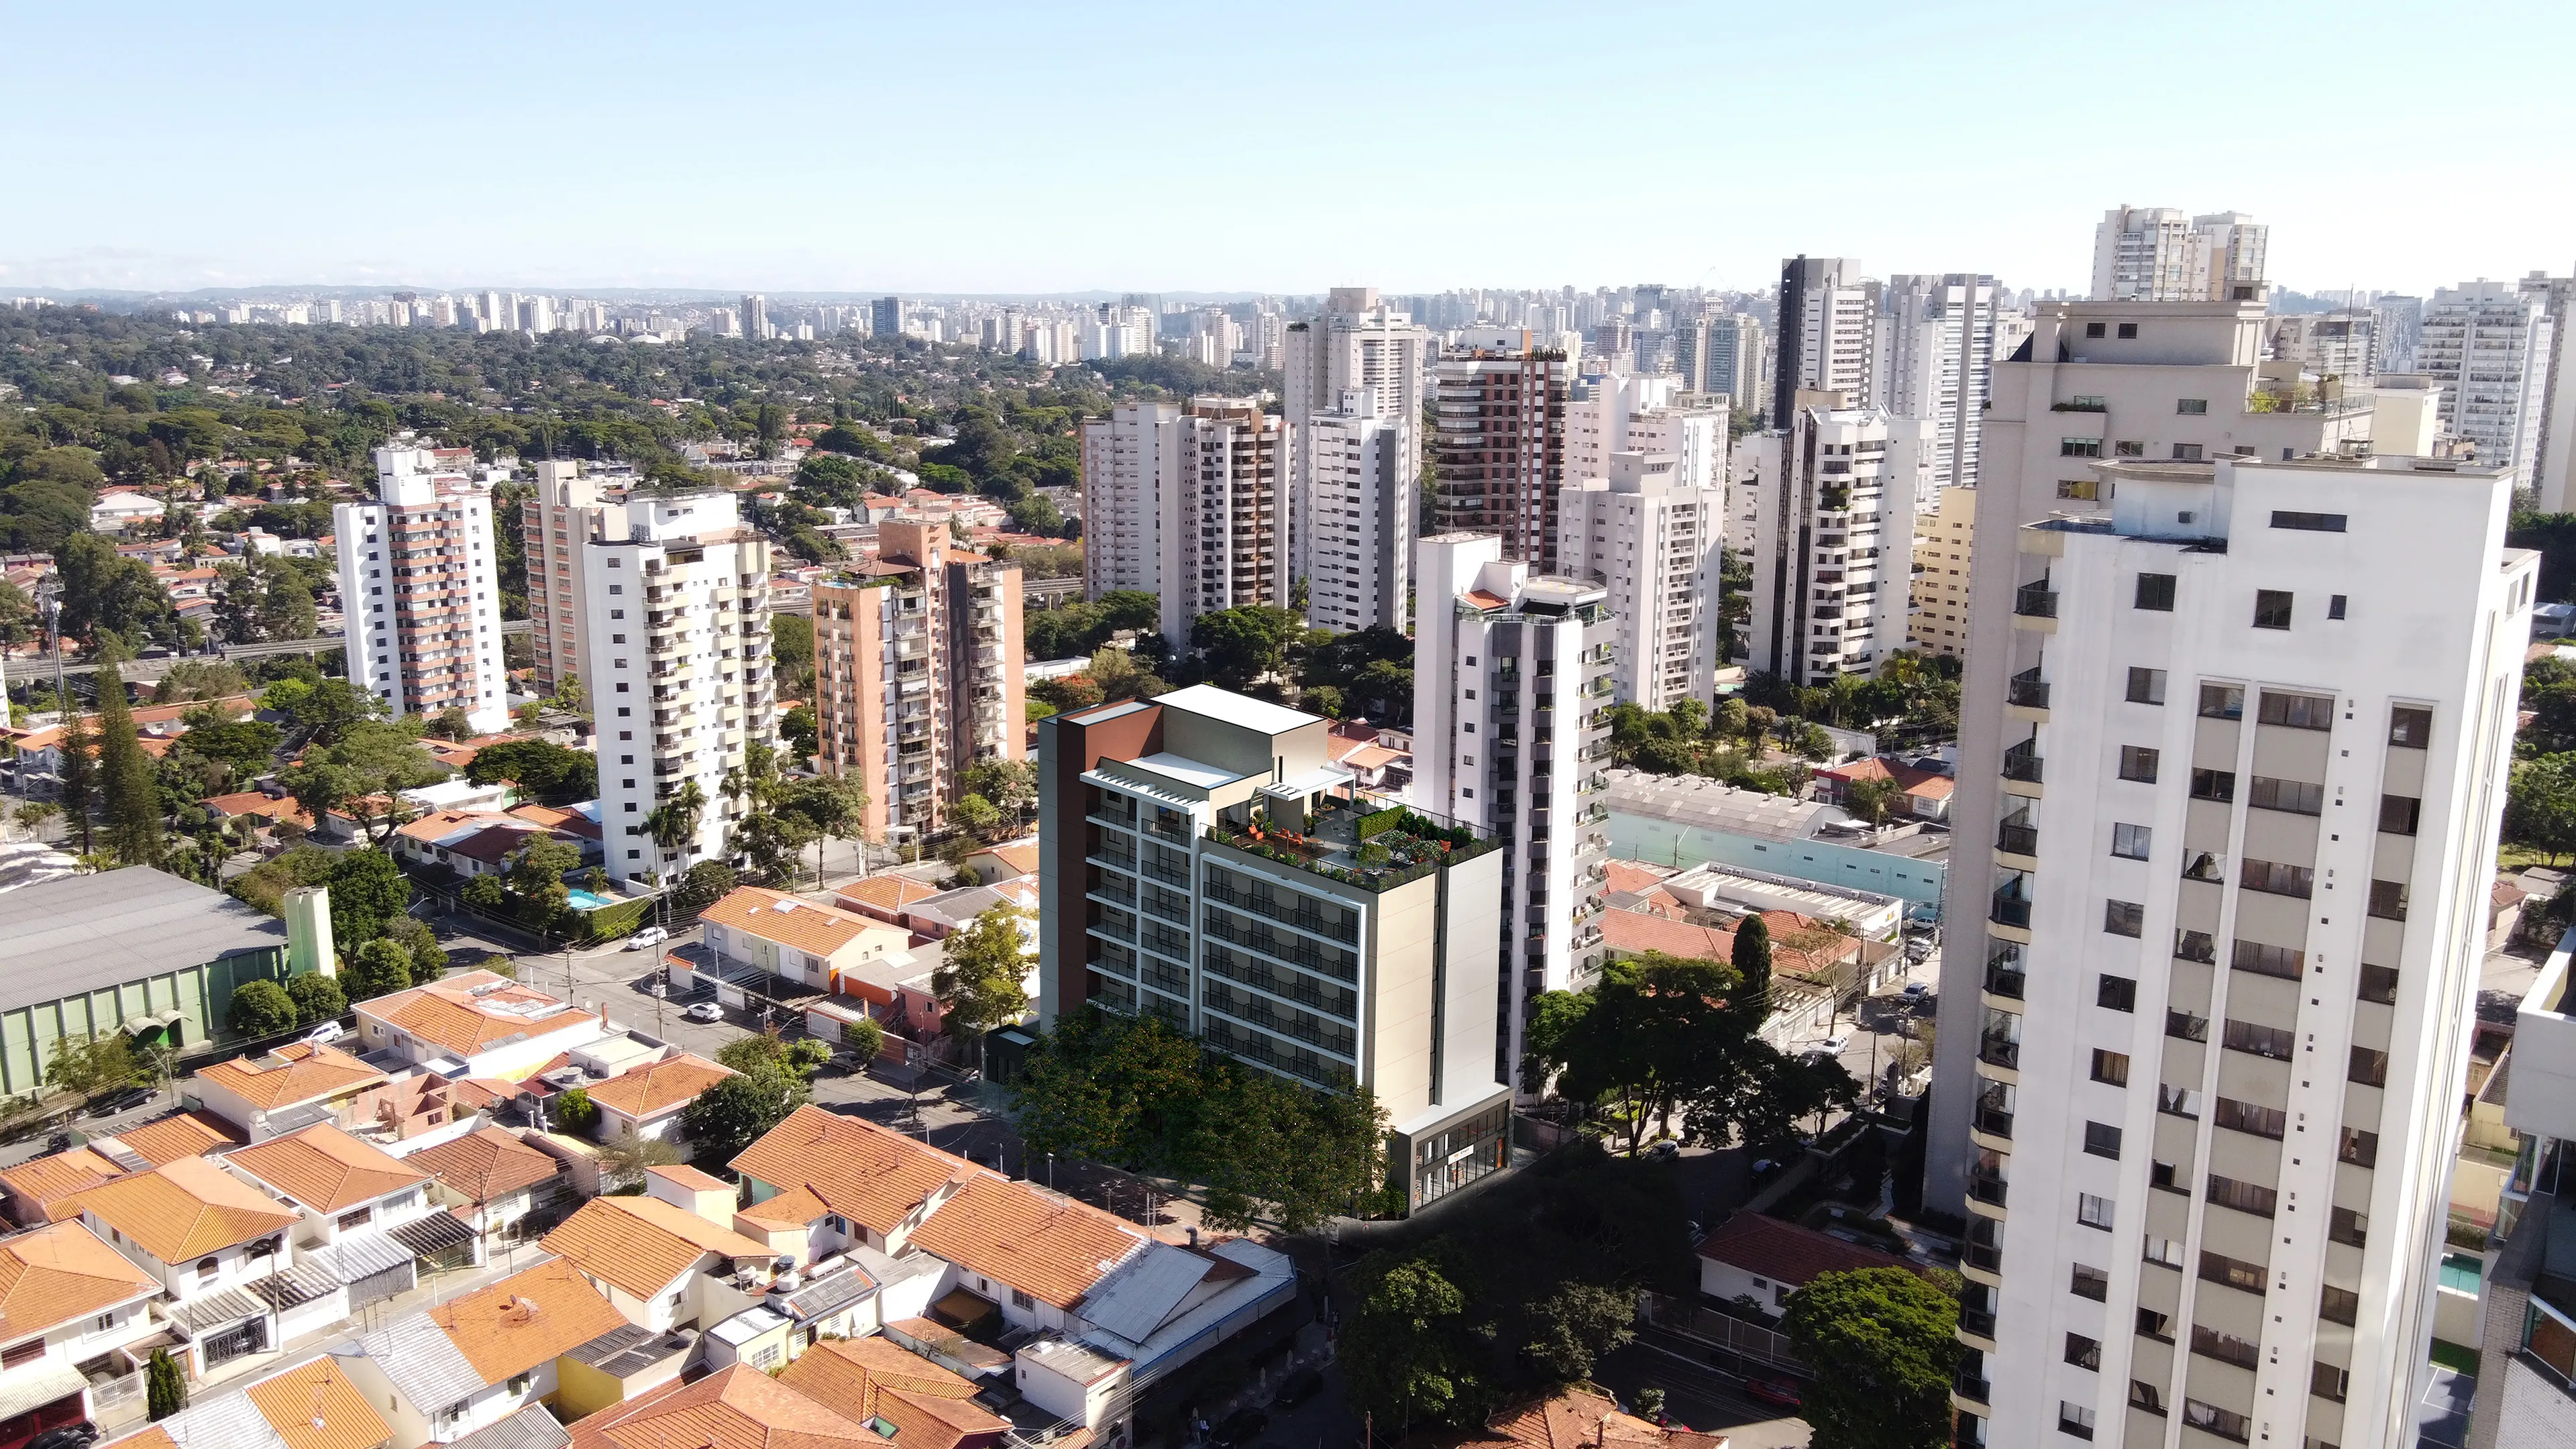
1362,473
554,525
1357,341
1656,541
2158,254
1726,355
755,317
1501,411
1936,362
2395,323
2340,344
680,676
885,317
1128,459
1944,554
2489,345
1202,860
2527,1339
1224,514
918,673
1512,681
2143,381
1832,539
419,592
1829,316
2232,932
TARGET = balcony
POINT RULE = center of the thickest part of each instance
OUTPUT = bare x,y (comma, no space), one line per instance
2015,838
1996,1051
2028,690
2005,981
2035,601
2010,908
1987,1188
2022,762
1994,1123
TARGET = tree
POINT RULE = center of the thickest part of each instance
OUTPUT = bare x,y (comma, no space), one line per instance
380,967
129,794
701,886
1653,1031
2540,805
499,965
1578,1324
1752,961
541,768
1105,1086
318,998
1409,1351
803,1057
976,816
1873,800
165,1389
674,822
568,694
574,1112
1245,642
863,1039
1119,676
732,1114
368,890
1011,786
79,790
979,975
260,1008
93,1064
624,1160
1883,1345
428,961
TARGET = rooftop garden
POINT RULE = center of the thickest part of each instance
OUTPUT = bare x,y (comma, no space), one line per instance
1375,850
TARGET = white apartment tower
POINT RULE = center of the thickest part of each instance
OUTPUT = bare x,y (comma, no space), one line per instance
1829,316
1643,412
2330,344
1357,341
2261,720
680,679
555,523
1655,541
418,589
2158,254
1127,459
1511,689
755,317
1224,514
1832,540
1361,493
1936,362
2489,344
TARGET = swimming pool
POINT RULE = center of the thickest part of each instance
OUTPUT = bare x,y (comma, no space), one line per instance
582,900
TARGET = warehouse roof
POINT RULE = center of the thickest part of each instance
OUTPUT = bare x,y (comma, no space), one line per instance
86,932
1697,801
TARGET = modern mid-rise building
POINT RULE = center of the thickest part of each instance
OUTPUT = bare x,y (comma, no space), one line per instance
2158,254
1361,490
1501,412
2489,346
2340,344
1204,860
1128,459
1936,362
1512,682
680,676
1225,512
1656,542
2527,1293
1944,550
2227,948
420,594
1832,541
2141,381
1829,315
918,673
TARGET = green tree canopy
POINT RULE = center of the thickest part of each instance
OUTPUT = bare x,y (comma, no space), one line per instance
2540,805
380,967
260,1008
1883,1344
317,998
978,980
368,890
732,1114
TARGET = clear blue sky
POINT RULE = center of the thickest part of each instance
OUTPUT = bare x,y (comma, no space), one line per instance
1032,147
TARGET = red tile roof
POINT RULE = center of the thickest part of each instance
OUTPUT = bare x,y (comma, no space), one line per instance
1787,1253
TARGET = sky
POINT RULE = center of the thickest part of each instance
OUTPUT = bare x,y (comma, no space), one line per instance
1032,148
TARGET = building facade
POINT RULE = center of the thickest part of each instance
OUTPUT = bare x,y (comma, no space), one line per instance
918,674
1511,687
1128,460
1203,862
1361,489
2489,345
555,523
2158,254
1357,341
1944,553
681,679
1225,514
1829,315
2232,931
1501,445
1832,540
1936,362
1657,544
419,589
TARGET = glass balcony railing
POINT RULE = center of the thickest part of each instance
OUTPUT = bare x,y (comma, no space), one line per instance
2035,601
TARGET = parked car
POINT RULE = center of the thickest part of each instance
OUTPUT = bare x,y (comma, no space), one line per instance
704,1011
1917,988
649,936
115,1102
1238,1428
1832,1046
1664,1151
1780,1392
327,1031
66,1436
1298,1387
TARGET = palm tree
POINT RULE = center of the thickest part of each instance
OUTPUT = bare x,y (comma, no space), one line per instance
674,822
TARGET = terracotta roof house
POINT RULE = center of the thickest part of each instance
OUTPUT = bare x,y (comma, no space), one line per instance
35,1186
475,1024
310,1406
647,1100
368,1216
283,1089
221,1249
492,1180
845,1180
1765,1259
739,1407
1027,1240
787,936
652,1258
65,1298
1003,862
866,1379
885,897
1924,793
1581,1417
440,1374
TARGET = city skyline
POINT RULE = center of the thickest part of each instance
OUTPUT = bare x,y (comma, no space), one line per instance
926,155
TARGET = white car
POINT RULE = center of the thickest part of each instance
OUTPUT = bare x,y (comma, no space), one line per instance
1832,1046
704,1011
328,1031
649,936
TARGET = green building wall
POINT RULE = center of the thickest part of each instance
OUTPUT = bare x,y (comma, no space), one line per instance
200,994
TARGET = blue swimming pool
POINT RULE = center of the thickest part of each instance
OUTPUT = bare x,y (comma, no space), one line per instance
582,900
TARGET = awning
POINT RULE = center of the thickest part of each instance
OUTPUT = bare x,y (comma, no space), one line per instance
202,1316
437,1233
146,1024
359,1255
27,1392
297,1286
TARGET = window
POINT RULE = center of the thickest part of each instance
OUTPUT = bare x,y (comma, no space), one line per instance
2093,329
2138,762
2348,1227
2296,711
2074,1419
2209,1418
2359,1148
2085,490
2146,686
2191,407
2339,1305
2124,918
2111,1067
2118,993
2328,1382
2334,606
2261,1121
2176,1101
2093,1212
207,1268
2271,609
2234,1272
2130,842
2218,785
2186,1025
2261,1041
1022,1300
2265,960
2411,726
2369,1068
23,1353
2156,591
2274,878
2311,522
2379,983
2164,1253
2222,701
2296,796
519,1382
2167,1176
2196,946
2146,1397
2129,331
2224,1347
2085,1353
2079,447
2136,450
2186,452
2102,1140
2090,1283
357,1219
2388,900
2399,814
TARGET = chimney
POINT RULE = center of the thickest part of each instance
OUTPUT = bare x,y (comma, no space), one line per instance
1194,1235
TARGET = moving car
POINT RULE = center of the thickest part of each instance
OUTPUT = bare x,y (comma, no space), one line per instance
327,1032
649,936
704,1011
1780,1392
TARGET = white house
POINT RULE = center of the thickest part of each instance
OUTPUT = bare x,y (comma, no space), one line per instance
68,1302
661,1264
492,1180
439,1374
368,1216
475,1024
118,509
223,1252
